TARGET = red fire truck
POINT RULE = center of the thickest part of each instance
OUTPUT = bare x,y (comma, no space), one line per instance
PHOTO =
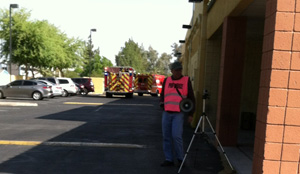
119,80
148,84
157,84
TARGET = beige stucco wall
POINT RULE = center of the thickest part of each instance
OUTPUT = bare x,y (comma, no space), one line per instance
98,84
192,53
222,9
212,70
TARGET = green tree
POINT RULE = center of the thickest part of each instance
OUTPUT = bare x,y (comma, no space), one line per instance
132,55
38,45
163,64
96,65
152,58
176,50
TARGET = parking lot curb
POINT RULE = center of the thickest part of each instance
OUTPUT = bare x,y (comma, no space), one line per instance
17,104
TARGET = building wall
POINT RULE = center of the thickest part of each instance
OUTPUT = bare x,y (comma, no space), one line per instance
222,9
277,140
251,74
212,72
98,84
271,78
230,80
191,57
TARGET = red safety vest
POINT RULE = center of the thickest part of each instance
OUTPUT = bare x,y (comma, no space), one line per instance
172,98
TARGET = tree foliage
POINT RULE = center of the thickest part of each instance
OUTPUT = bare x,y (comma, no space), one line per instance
143,61
152,58
163,64
132,55
41,46
176,50
96,66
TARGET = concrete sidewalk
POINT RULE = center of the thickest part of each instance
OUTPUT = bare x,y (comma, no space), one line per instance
205,157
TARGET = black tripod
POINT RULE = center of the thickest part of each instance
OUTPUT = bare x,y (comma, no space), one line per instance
202,132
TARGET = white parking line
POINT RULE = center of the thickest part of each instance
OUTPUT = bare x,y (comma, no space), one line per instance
82,103
125,104
17,104
98,109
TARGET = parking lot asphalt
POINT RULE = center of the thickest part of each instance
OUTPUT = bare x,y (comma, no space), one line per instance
94,134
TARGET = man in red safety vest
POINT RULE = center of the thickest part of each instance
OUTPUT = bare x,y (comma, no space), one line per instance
174,89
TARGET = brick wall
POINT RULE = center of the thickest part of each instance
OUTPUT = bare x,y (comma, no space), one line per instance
277,139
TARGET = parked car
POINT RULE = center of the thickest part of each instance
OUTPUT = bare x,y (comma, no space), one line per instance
88,85
56,88
80,88
50,79
55,81
27,89
68,85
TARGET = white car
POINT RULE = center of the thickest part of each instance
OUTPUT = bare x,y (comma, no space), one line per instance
56,88
68,86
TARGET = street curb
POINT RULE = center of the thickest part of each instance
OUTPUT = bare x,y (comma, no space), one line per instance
17,104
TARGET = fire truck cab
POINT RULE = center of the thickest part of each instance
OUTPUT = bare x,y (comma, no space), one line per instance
119,80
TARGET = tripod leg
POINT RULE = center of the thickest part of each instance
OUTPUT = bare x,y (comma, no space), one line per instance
220,144
188,149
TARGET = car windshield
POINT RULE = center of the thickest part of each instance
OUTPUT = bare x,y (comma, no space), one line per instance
84,80
47,82
76,80
63,81
80,80
51,80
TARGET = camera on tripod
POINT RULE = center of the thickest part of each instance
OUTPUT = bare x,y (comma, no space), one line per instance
202,120
205,94
186,105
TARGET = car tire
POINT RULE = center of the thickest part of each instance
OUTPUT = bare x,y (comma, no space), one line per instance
1,95
37,95
65,93
108,95
155,95
84,91
130,95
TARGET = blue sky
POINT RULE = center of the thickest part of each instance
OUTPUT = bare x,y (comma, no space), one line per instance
157,22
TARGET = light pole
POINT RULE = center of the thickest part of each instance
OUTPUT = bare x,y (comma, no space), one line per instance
90,68
10,37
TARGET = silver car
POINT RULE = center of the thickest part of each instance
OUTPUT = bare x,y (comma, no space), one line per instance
26,89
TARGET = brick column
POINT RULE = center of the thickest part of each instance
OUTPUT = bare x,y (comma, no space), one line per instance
277,137
231,74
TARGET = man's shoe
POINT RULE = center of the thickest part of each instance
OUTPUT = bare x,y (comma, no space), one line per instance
167,163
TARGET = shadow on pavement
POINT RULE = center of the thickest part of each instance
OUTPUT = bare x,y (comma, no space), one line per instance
134,121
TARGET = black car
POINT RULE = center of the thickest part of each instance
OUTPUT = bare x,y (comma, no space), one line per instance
87,83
